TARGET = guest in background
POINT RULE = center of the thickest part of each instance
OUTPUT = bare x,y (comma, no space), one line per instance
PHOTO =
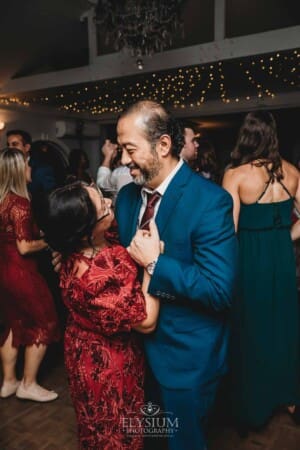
296,226
42,174
46,174
206,163
99,285
296,237
29,317
49,173
47,158
19,139
190,148
112,175
78,166
265,353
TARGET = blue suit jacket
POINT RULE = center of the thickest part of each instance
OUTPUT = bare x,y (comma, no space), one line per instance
194,278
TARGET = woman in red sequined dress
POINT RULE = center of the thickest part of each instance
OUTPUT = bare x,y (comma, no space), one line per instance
27,308
103,355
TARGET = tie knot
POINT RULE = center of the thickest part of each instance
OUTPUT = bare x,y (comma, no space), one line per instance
152,198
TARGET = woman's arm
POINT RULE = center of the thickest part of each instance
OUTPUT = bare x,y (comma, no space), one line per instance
152,308
230,183
153,249
24,228
25,247
295,231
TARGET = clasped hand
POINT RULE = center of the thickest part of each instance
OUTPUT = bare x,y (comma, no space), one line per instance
146,246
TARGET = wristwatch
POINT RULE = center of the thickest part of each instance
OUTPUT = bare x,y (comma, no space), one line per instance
151,266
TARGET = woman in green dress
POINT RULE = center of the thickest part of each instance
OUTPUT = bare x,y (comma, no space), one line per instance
265,353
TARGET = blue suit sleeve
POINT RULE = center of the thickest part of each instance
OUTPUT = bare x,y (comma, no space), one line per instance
209,279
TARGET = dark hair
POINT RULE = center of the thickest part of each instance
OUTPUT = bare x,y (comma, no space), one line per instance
188,124
40,152
258,141
206,160
69,215
26,137
74,165
157,122
75,159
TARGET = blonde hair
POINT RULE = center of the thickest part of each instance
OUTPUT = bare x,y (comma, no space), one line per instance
12,173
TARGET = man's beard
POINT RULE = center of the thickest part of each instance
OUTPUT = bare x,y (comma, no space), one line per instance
146,175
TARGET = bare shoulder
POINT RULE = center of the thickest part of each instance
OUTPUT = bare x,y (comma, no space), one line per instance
290,169
237,174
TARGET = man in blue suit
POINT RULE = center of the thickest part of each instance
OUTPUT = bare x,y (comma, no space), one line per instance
193,277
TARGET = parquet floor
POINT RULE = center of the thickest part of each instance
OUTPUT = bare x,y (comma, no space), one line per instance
26,425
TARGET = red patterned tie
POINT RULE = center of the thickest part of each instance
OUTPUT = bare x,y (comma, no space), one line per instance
152,199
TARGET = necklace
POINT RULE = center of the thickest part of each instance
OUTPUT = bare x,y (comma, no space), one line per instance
91,252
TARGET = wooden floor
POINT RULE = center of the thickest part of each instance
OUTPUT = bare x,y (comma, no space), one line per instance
26,425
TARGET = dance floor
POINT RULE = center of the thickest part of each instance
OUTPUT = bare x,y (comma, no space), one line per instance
26,425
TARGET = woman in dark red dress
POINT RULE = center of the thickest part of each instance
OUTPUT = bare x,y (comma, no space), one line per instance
103,356
27,308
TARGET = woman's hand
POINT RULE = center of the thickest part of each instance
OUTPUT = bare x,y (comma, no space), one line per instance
56,261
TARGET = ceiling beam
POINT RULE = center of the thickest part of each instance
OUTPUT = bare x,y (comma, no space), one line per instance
208,108
47,111
219,20
92,33
116,65
215,107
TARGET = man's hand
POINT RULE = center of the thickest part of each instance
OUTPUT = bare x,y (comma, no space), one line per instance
56,261
109,150
145,246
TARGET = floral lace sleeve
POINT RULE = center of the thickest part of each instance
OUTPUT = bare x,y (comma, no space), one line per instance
21,216
119,302
108,299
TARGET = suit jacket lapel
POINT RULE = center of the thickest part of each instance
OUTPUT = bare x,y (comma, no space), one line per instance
133,214
171,197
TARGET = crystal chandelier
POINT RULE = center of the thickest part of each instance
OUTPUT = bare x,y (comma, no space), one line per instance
143,27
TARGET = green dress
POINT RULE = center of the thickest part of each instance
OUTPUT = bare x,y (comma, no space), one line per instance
265,356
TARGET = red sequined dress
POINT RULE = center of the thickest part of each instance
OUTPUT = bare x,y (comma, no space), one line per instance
103,356
26,305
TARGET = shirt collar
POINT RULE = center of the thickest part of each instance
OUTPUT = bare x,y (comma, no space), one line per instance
161,189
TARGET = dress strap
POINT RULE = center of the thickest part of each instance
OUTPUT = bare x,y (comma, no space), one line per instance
286,189
271,180
267,185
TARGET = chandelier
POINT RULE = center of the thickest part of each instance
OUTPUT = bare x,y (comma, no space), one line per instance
143,27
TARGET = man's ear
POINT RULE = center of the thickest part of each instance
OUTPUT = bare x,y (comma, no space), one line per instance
27,147
164,145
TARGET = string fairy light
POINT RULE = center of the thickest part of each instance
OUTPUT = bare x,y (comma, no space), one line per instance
225,81
14,101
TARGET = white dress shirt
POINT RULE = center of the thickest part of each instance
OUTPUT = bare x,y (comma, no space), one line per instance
113,180
161,189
